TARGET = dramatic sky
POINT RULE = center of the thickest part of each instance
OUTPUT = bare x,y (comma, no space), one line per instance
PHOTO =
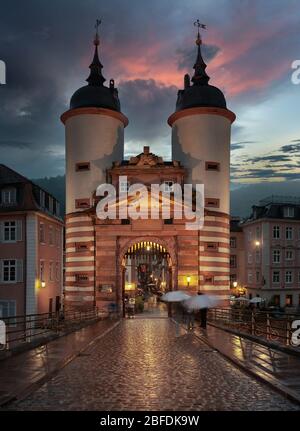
147,47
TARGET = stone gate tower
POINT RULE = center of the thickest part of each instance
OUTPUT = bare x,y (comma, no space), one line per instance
97,249
201,129
94,136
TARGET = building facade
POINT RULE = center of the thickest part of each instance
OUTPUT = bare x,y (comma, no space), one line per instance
237,257
97,249
272,251
31,244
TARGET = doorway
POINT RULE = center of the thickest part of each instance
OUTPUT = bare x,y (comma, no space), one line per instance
147,275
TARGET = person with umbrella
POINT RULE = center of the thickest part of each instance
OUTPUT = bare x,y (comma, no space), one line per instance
203,315
201,302
176,296
190,319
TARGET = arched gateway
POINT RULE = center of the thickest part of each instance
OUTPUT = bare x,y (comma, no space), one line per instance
147,265
95,247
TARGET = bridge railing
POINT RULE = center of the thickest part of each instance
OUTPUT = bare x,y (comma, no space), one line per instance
272,326
27,328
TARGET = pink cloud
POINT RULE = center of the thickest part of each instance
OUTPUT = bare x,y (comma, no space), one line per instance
248,58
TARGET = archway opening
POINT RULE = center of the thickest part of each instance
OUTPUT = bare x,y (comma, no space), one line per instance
147,269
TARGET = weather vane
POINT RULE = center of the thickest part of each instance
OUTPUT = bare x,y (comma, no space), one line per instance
98,22
199,25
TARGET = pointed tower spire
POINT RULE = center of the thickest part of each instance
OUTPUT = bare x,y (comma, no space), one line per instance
200,76
96,78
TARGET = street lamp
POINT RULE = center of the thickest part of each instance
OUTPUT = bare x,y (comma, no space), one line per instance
257,243
188,279
234,284
242,291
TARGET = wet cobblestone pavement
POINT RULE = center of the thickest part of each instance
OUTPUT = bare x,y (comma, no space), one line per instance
141,365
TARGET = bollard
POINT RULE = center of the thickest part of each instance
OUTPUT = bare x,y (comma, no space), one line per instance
268,326
288,330
252,323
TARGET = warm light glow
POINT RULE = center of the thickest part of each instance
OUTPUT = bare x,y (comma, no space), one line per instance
148,247
234,284
188,279
43,284
257,243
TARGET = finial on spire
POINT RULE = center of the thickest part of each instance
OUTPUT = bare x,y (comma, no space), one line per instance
96,39
200,76
96,78
199,25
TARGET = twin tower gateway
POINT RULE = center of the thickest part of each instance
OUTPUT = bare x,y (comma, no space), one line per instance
104,257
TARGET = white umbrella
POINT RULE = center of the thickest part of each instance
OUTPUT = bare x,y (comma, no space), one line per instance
241,299
197,302
256,300
175,296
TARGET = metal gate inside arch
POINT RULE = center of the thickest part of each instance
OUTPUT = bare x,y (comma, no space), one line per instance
147,269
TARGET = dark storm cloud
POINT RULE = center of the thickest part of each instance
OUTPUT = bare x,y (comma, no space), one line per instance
47,48
186,58
148,105
269,158
266,173
7,143
291,148
47,59
240,145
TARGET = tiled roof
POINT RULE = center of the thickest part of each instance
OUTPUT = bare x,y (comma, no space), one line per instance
274,211
27,193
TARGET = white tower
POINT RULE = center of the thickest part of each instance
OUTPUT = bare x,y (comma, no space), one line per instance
201,127
94,128
94,136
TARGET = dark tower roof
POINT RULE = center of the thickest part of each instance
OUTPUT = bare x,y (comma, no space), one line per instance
200,93
95,94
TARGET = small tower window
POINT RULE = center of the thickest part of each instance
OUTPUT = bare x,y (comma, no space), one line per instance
208,279
83,166
82,203
81,246
82,278
212,202
211,246
212,166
